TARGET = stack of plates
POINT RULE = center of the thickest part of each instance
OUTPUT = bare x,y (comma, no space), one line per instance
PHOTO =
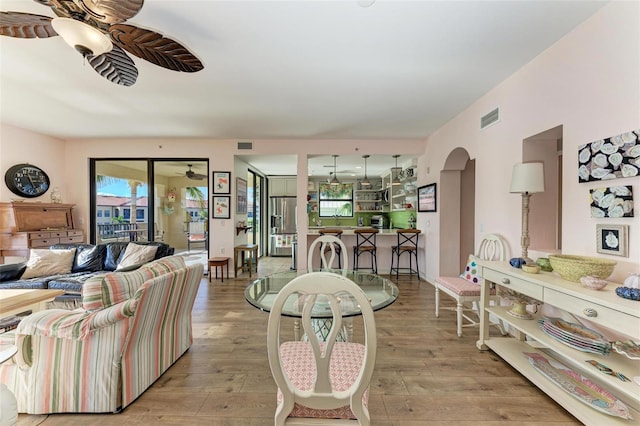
575,335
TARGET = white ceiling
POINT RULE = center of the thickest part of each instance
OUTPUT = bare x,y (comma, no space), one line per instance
286,69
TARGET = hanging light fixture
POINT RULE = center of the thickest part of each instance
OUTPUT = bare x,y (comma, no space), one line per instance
334,180
87,40
396,179
365,180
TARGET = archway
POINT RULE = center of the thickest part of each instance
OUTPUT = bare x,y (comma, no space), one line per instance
457,212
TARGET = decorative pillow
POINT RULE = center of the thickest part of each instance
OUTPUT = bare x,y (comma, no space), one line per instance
43,262
470,272
136,254
11,271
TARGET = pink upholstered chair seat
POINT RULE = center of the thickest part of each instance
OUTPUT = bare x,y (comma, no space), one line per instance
461,287
299,364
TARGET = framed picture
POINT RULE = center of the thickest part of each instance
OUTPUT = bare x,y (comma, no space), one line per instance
221,207
241,196
612,239
427,198
221,182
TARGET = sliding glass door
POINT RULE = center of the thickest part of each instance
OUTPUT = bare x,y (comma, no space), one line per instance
150,200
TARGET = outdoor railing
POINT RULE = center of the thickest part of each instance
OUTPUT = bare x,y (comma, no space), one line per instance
107,231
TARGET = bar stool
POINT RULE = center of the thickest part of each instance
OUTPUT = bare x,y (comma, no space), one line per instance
365,244
338,234
407,243
252,249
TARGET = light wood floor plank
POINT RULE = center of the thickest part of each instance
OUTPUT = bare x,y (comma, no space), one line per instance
425,374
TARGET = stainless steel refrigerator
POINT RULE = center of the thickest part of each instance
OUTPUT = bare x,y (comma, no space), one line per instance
282,211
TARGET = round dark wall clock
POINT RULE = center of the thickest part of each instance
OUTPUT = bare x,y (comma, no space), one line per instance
27,180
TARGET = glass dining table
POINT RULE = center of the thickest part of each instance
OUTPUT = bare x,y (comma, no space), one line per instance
262,292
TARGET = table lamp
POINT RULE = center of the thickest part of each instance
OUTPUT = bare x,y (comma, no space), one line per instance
526,179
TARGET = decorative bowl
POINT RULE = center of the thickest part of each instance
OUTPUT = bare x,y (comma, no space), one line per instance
593,283
571,267
531,269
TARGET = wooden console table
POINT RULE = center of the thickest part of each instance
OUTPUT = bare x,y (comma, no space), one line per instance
602,307
25,225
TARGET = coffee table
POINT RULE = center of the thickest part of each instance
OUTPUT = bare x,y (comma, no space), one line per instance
13,301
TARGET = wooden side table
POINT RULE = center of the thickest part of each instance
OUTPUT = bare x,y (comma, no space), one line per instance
252,249
216,262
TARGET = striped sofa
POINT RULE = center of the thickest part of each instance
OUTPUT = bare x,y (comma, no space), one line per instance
131,328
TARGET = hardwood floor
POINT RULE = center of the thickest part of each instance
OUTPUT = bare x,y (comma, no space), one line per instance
425,374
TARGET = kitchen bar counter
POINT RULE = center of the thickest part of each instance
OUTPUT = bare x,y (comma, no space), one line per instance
385,239
348,230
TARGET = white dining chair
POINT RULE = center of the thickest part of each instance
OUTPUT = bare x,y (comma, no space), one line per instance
326,381
330,248
465,289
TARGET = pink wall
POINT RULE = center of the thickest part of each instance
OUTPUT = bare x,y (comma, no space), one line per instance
22,146
69,165
589,83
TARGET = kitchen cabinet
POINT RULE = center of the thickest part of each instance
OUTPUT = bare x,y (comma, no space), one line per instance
283,186
603,308
368,200
400,196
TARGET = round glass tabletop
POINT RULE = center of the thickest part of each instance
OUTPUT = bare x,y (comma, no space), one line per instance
262,292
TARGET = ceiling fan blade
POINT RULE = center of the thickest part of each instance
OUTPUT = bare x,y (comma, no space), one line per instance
116,66
25,25
155,48
111,11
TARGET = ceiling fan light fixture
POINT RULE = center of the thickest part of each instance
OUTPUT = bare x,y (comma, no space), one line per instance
365,181
87,40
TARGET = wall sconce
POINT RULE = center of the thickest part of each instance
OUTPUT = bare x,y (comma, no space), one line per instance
526,179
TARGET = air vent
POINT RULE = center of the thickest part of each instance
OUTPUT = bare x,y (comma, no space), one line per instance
488,119
245,145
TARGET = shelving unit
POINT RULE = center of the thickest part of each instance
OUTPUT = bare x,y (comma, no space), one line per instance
368,200
398,194
610,311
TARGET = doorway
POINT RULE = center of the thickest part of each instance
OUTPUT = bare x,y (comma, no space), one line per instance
457,211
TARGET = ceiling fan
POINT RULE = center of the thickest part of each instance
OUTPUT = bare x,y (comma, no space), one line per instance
96,29
193,175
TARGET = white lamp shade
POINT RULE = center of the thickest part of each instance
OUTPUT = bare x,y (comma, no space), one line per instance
527,177
76,33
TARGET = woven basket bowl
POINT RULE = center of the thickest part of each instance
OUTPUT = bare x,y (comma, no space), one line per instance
571,267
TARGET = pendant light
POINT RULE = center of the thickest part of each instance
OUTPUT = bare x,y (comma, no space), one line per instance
334,180
396,180
365,180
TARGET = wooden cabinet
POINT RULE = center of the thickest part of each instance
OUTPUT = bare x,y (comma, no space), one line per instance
283,186
603,308
25,225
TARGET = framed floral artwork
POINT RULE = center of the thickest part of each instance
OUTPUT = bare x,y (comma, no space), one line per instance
612,239
221,207
613,201
221,182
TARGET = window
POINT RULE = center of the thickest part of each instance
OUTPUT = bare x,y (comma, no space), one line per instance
336,200
126,214
107,213
99,213
139,214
